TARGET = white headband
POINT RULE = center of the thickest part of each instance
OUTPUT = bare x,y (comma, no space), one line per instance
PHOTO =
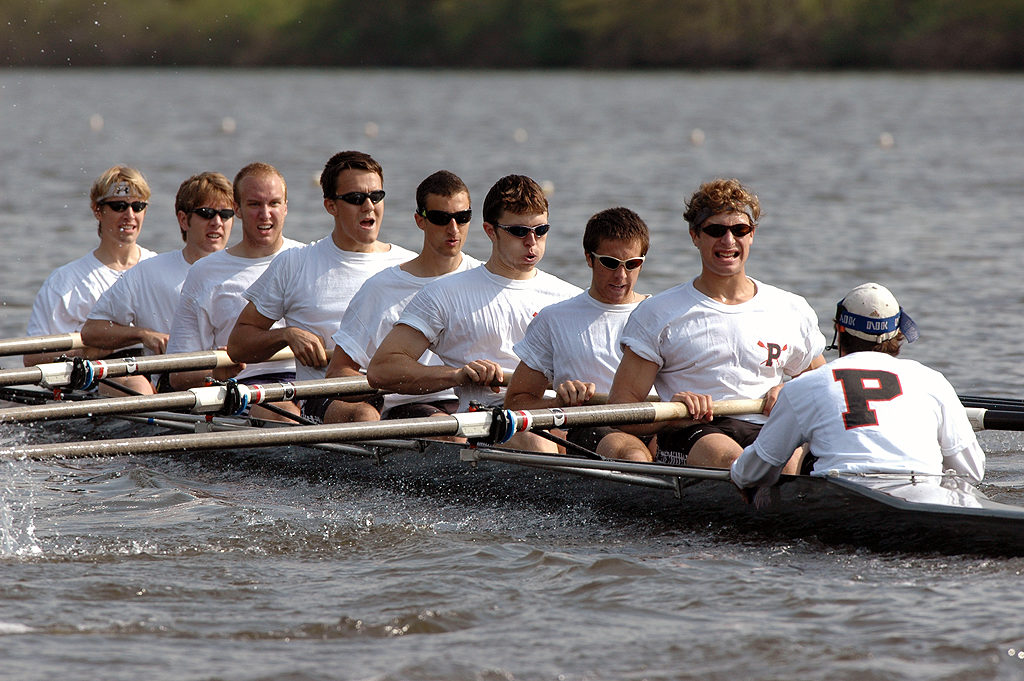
117,189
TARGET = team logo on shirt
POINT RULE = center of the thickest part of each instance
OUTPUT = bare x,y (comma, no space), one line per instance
861,387
774,352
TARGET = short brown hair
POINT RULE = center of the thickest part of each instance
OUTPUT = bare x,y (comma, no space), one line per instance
442,183
851,344
514,194
256,168
616,223
346,160
199,189
721,196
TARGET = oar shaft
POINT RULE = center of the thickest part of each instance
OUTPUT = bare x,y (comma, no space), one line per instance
59,374
202,400
261,437
1000,403
469,424
27,376
995,419
33,344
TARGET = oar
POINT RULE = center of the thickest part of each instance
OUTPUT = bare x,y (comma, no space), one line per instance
232,398
80,373
32,344
995,419
493,426
1001,403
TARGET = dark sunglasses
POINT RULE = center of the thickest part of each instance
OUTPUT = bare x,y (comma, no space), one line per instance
442,218
611,263
520,231
208,213
718,231
122,206
359,198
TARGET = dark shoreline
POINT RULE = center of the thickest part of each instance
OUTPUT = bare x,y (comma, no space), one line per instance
784,35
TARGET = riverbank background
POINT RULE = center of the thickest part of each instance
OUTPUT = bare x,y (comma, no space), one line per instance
515,34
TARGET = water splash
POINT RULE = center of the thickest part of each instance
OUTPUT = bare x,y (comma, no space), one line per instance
17,522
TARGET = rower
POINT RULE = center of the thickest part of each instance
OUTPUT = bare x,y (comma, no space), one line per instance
443,214
118,198
868,411
310,287
722,336
211,297
578,338
471,320
139,307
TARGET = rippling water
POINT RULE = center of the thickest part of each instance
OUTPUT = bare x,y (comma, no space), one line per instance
299,565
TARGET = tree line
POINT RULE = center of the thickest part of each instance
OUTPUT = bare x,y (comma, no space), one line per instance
592,34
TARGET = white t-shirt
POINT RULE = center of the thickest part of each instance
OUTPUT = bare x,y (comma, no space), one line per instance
727,351
146,295
480,315
868,412
576,339
211,300
69,293
372,313
310,288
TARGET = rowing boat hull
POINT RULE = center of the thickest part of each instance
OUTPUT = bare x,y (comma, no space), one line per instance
885,513
837,511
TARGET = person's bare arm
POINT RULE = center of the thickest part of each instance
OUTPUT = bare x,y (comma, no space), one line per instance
342,365
396,367
526,391
633,382
253,340
103,333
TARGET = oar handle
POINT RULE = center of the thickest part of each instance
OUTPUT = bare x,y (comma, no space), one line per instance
34,344
223,360
669,411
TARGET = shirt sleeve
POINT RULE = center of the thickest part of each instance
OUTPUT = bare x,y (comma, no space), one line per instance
425,314
46,308
781,434
268,293
116,304
960,449
637,335
58,307
185,335
750,470
536,349
813,340
352,335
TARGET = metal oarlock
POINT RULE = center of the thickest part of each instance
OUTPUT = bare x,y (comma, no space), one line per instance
236,398
83,377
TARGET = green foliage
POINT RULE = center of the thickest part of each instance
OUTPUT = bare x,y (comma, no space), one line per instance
517,33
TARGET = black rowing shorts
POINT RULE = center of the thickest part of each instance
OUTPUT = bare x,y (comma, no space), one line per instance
674,446
419,410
